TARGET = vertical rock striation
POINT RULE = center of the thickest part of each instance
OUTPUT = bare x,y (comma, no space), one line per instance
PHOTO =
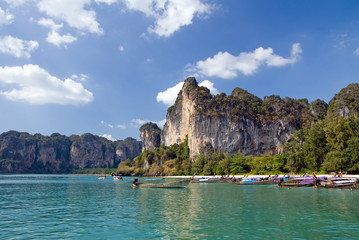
240,122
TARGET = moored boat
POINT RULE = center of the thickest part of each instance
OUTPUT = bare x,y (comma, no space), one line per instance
117,178
337,182
175,184
209,180
254,181
298,182
101,177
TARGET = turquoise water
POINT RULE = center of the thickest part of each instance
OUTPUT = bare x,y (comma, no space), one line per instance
83,207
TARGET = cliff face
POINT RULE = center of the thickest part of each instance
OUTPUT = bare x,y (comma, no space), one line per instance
150,135
240,122
25,153
346,102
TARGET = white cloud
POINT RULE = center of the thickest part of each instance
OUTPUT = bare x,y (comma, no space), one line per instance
5,17
224,65
53,36
73,13
82,77
161,123
210,86
108,137
169,96
121,48
356,52
139,122
121,126
106,124
170,15
36,86
17,47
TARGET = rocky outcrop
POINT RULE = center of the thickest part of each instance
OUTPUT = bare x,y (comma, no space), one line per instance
346,102
25,153
150,135
240,122
127,149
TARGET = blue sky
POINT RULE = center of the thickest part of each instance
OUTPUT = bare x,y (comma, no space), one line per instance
108,66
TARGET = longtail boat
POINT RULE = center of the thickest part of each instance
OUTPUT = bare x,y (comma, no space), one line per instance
254,181
175,184
209,180
337,182
298,182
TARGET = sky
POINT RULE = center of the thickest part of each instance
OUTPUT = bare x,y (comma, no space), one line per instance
108,66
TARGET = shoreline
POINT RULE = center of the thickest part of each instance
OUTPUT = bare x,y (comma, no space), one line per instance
242,175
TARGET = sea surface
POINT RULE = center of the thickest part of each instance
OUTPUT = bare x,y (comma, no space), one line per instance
83,207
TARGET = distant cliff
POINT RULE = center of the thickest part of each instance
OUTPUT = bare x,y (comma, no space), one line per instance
25,153
238,122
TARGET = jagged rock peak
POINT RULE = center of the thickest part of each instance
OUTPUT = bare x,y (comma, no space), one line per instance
346,102
190,82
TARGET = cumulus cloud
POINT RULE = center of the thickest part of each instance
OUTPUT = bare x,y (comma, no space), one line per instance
36,86
73,13
169,96
170,15
225,65
356,52
210,86
53,36
17,47
5,17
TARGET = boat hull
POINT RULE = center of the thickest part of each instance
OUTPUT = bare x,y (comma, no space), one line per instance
296,184
177,184
263,182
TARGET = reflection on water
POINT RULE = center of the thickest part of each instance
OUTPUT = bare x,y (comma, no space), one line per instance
83,207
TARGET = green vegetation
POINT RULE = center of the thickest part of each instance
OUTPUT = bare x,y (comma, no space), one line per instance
329,145
175,160
347,97
243,104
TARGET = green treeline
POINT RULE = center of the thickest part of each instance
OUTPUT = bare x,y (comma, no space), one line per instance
329,145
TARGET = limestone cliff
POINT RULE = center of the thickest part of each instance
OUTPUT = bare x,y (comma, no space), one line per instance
25,153
240,122
346,101
150,135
